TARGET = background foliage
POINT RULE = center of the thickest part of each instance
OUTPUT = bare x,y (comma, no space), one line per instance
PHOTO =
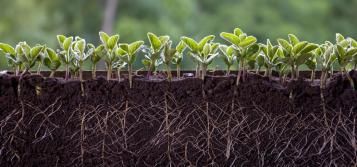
39,21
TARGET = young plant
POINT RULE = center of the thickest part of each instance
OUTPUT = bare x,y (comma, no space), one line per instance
79,55
28,56
229,56
127,54
95,55
344,54
196,50
271,57
246,49
167,56
12,57
296,53
110,44
177,60
65,54
51,61
206,57
325,53
311,63
119,64
152,56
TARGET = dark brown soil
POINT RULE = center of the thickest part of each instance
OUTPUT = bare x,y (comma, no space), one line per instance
53,122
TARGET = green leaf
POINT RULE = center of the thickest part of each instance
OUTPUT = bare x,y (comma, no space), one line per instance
7,48
339,38
204,41
293,39
340,51
248,41
210,58
120,51
104,37
310,64
113,42
190,43
309,48
285,44
80,45
51,53
67,43
206,49
302,59
124,47
164,39
299,47
35,51
238,31
253,50
352,52
180,47
135,46
155,41
231,38
60,39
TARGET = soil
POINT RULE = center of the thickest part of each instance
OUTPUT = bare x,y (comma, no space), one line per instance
260,122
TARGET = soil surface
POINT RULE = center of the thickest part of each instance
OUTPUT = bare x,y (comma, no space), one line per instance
185,122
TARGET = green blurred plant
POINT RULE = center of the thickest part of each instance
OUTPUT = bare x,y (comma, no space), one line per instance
152,57
178,57
51,61
229,56
246,49
65,52
95,54
27,55
12,57
110,44
270,56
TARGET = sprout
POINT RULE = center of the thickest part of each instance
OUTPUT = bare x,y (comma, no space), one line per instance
167,56
209,52
271,57
152,56
296,53
51,61
345,53
65,55
95,55
311,63
326,54
177,59
246,49
79,54
12,57
110,44
197,52
229,56
27,55
127,55
119,65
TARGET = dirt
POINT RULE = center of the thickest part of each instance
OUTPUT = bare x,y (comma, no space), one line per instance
54,122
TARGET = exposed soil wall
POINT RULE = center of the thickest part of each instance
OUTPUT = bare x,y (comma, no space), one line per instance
51,122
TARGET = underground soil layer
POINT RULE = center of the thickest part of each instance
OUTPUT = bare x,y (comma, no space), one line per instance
185,122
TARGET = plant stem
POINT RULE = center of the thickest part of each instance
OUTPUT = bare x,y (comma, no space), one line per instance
52,73
198,70
239,72
323,80
312,76
109,72
204,69
169,75
178,71
94,70
39,68
130,73
228,70
266,72
67,72
350,80
118,72
297,72
292,71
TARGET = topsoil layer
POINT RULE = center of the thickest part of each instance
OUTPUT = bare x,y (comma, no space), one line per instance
52,122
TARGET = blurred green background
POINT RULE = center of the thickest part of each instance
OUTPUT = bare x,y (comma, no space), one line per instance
39,21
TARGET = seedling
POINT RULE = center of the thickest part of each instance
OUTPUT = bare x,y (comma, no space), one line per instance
51,61
12,57
152,57
271,57
127,55
27,55
167,56
119,65
209,52
177,60
79,55
196,51
65,54
246,49
229,56
296,53
311,63
110,44
345,53
95,54
326,55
